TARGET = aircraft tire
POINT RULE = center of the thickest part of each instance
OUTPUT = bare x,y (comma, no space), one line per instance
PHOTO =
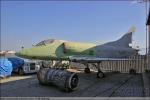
20,71
87,70
100,74
132,71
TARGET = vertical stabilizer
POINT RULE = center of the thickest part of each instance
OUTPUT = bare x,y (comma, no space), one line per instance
125,40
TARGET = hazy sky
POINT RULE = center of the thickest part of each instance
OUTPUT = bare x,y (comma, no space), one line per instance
25,23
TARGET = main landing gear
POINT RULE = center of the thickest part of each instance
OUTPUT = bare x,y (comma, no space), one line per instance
99,74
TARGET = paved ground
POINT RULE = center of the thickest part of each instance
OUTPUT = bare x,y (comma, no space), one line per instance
113,85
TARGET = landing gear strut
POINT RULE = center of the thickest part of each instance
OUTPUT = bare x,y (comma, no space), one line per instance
100,74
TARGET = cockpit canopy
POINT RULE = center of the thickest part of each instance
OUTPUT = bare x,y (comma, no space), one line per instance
44,42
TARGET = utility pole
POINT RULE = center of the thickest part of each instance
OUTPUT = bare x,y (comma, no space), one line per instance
147,9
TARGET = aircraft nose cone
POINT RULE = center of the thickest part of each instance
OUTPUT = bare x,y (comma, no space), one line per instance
34,53
23,53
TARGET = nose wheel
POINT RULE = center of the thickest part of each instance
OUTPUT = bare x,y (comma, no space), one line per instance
87,70
100,74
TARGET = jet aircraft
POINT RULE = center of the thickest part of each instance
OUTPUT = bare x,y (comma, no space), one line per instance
52,49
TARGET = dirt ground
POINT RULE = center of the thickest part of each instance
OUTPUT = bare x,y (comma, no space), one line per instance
113,85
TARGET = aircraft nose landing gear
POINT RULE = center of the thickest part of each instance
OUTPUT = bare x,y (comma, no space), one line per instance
87,70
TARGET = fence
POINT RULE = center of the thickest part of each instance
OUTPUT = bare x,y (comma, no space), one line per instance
135,62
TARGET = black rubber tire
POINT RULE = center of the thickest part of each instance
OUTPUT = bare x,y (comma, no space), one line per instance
100,74
20,71
132,71
87,70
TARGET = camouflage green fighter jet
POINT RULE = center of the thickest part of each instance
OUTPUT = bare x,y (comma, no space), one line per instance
52,49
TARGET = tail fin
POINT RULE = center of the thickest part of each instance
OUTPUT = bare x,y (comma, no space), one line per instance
125,40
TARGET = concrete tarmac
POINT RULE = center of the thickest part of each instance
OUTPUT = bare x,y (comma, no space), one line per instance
113,85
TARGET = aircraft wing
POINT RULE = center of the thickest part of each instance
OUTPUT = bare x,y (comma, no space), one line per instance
94,59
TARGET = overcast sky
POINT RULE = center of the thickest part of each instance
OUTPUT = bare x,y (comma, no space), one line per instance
24,23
